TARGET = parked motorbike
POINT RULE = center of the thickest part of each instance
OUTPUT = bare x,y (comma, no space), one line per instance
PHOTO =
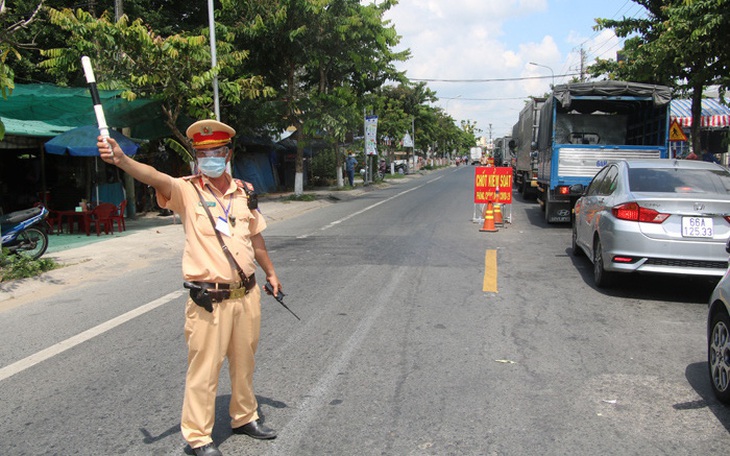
382,170
23,232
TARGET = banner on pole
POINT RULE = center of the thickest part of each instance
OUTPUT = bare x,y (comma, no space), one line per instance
492,185
407,140
371,132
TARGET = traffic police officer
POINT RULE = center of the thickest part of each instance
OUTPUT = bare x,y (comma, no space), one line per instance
228,324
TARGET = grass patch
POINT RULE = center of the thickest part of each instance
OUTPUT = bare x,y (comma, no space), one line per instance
13,267
302,197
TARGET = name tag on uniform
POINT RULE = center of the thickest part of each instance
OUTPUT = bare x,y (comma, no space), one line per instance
221,225
207,203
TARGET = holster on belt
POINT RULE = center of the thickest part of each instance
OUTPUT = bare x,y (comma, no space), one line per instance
205,294
200,295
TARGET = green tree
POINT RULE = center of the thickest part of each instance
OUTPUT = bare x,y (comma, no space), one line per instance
680,43
175,69
307,48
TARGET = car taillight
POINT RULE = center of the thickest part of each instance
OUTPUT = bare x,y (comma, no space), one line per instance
622,259
635,213
563,190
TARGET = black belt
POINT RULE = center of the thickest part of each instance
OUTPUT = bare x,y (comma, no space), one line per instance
223,291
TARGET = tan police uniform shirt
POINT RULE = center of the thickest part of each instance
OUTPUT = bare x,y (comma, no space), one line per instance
203,258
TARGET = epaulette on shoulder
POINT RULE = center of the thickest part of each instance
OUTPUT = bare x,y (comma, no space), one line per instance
191,177
244,185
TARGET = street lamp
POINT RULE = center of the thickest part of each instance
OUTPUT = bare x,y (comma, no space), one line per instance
545,66
449,101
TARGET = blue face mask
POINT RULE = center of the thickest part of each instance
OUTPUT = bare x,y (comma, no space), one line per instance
212,166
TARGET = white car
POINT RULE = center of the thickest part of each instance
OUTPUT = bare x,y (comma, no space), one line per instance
718,338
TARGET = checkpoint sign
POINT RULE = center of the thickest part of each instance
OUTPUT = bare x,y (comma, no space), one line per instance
492,185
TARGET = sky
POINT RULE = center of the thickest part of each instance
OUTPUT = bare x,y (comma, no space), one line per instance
489,40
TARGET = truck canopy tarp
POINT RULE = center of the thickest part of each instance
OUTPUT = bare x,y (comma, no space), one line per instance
564,93
596,129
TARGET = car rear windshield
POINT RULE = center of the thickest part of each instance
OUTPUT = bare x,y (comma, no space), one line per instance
672,180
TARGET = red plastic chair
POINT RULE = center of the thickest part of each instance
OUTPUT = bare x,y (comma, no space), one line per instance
54,222
101,216
118,216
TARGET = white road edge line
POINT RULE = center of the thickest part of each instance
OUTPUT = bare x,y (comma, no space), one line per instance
60,347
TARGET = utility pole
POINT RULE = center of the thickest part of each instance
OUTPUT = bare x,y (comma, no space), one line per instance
118,9
582,64
213,59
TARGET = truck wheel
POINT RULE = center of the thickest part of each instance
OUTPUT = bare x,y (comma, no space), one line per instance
718,356
601,277
521,187
546,205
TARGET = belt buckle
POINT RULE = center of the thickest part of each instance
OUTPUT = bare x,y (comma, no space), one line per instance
238,293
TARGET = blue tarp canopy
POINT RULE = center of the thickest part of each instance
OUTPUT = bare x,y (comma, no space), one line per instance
81,142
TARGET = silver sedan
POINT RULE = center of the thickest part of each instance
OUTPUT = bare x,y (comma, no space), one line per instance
654,216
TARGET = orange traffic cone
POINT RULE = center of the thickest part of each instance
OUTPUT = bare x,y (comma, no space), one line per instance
488,218
498,220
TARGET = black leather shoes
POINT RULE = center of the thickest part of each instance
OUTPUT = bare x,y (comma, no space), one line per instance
256,430
206,450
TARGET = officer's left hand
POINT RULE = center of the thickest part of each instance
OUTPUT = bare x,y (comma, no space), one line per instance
275,285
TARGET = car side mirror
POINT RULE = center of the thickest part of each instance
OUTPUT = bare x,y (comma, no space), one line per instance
577,188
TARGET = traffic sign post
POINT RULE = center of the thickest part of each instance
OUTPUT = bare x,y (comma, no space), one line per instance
675,132
493,185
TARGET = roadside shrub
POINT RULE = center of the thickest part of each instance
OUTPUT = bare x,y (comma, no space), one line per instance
323,173
14,267
302,197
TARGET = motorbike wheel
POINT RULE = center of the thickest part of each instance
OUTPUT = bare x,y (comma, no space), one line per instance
32,242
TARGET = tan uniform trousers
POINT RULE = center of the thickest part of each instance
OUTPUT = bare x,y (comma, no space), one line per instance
231,330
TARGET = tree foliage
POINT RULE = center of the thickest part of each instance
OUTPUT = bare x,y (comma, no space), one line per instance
175,69
313,52
312,64
679,43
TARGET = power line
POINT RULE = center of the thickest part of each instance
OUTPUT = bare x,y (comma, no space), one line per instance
526,78
630,10
484,99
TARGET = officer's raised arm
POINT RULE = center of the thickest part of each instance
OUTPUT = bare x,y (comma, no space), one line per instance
110,152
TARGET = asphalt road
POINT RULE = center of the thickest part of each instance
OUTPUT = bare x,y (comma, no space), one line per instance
399,351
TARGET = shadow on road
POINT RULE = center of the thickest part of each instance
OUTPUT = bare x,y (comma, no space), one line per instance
696,290
698,377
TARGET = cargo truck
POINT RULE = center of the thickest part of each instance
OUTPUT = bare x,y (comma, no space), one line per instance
501,151
524,148
475,155
584,126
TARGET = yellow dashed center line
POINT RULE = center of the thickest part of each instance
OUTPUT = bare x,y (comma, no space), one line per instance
490,271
